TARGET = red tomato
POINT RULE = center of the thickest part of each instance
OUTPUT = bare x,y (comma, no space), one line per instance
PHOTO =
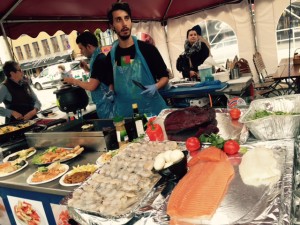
231,147
192,144
235,113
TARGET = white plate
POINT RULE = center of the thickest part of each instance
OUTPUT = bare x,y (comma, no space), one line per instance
63,160
15,153
13,172
61,181
100,162
65,166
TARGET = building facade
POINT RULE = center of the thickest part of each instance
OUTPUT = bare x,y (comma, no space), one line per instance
34,54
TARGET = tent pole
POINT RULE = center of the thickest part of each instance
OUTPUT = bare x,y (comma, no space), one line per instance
6,42
290,34
166,36
253,25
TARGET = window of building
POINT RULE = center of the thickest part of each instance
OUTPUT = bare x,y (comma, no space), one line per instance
46,47
222,40
288,31
36,48
55,44
106,37
28,51
19,53
65,41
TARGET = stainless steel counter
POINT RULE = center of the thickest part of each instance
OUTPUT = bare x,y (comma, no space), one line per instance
18,180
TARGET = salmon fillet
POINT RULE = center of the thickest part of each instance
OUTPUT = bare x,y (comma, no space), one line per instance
208,154
199,193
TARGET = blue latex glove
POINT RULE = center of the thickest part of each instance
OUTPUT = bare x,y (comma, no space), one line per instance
110,95
150,91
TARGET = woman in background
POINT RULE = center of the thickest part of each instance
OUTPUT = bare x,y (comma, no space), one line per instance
196,50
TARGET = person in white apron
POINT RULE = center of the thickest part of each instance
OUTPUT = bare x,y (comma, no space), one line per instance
130,60
99,83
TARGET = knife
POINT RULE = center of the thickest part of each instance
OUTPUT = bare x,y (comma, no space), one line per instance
139,85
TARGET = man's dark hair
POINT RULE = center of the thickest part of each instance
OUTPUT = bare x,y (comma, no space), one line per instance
87,38
118,6
9,66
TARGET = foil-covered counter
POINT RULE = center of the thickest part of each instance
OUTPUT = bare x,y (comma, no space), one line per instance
242,204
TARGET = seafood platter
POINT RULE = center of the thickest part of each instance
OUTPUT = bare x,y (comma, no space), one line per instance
47,174
56,154
12,167
248,198
25,153
117,189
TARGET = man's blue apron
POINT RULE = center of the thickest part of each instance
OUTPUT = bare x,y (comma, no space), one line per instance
104,106
127,93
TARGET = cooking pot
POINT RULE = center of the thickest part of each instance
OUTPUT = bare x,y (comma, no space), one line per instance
71,98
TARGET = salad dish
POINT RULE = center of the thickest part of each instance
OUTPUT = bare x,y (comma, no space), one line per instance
26,213
25,153
9,168
77,175
56,154
47,174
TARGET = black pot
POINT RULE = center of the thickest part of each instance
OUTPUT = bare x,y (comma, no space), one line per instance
71,98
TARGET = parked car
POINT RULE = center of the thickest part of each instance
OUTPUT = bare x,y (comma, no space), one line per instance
50,76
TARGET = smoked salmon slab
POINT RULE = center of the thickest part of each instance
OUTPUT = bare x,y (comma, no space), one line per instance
199,193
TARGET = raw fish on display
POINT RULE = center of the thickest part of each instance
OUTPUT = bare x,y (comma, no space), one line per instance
199,193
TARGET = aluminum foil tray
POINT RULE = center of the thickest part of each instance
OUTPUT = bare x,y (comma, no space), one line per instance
242,204
130,211
275,126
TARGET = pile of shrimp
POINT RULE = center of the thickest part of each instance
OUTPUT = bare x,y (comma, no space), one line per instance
117,187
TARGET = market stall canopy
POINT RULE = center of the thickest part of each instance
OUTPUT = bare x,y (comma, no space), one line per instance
30,17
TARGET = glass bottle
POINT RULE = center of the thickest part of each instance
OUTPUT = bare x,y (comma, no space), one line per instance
122,136
140,120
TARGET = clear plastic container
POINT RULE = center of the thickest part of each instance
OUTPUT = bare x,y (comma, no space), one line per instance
205,73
